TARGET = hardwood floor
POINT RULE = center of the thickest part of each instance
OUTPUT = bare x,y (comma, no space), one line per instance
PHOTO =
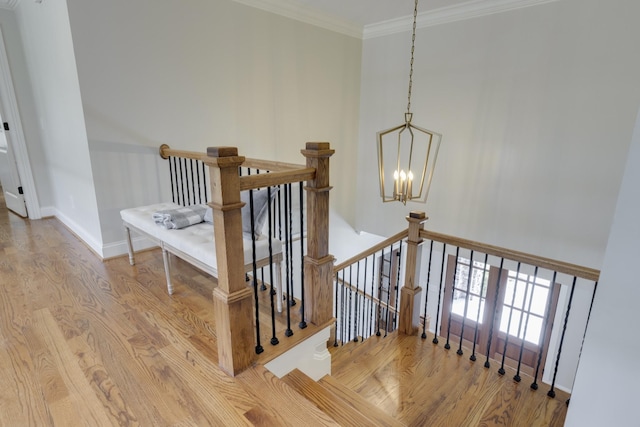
421,384
86,342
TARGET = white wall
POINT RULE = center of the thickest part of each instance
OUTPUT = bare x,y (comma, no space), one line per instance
198,73
606,387
536,107
48,48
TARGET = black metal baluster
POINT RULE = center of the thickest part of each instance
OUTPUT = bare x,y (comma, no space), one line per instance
303,322
366,326
279,216
350,300
259,348
436,330
192,183
288,270
552,392
397,286
388,312
172,161
379,311
493,315
341,308
356,323
290,296
453,290
466,304
335,303
526,323
198,185
206,181
344,309
475,332
371,303
547,314
426,294
501,371
593,296
181,194
274,339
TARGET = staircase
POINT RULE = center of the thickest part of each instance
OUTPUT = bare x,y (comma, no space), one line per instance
402,380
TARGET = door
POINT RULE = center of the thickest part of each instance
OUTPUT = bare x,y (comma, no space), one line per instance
522,303
9,178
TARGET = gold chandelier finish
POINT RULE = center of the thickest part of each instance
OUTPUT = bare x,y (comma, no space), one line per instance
410,141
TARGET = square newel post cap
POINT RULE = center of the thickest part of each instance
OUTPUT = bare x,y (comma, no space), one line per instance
222,151
317,149
224,156
417,216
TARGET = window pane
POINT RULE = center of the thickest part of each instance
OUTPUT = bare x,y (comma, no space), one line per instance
539,302
534,329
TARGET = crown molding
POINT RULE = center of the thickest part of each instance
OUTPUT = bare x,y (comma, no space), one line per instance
469,10
300,12
9,4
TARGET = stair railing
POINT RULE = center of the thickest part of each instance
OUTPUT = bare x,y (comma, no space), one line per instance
366,291
525,312
225,174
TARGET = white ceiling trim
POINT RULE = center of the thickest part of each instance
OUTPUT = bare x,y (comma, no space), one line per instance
300,12
468,10
8,4
471,9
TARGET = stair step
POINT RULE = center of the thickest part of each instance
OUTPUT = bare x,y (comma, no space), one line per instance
343,411
352,352
282,404
379,417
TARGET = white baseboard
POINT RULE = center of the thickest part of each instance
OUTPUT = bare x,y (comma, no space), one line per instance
120,248
75,228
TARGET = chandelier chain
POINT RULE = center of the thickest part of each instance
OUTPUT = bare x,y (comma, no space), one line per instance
413,45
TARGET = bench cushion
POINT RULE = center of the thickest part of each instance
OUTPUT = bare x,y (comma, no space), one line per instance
197,240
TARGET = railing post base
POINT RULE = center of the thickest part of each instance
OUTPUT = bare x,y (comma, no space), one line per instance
318,264
410,293
232,297
235,354
410,310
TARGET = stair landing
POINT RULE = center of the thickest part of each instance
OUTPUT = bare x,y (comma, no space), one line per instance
419,383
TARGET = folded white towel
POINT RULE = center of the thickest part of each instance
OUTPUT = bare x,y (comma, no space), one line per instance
180,217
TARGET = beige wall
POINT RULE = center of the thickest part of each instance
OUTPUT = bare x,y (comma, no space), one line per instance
198,73
536,107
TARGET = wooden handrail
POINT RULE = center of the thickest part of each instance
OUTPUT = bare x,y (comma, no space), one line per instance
399,236
249,182
367,296
268,165
550,264
271,165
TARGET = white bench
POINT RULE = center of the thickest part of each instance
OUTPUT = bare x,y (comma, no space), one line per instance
196,245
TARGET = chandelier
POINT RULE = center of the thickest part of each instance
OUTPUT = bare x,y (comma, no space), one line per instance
410,152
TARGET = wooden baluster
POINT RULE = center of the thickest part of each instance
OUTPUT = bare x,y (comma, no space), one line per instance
410,300
318,264
232,298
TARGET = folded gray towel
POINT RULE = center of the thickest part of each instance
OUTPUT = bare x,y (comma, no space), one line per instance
180,217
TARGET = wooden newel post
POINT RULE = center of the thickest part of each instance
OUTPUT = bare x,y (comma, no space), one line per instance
232,298
410,293
318,264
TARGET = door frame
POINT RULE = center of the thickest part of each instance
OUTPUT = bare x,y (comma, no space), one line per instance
15,136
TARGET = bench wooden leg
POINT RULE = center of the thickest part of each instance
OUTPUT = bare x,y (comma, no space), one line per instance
132,261
167,270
